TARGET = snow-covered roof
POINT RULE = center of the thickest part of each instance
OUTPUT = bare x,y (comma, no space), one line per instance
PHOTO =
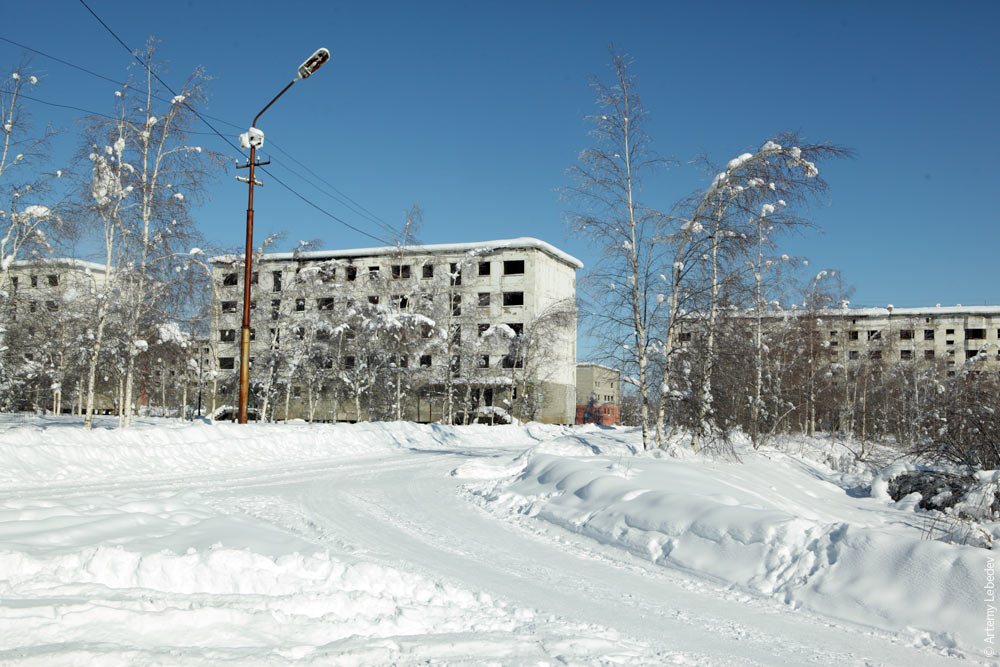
589,363
67,262
523,242
922,311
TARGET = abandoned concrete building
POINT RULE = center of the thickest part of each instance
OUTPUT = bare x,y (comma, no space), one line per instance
948,336
597,394
484,330
47,298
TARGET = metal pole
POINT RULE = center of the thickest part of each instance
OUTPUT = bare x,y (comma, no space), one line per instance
248,272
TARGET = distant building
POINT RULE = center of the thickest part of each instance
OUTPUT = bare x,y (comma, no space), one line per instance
43,299
946,335
464,291
598,389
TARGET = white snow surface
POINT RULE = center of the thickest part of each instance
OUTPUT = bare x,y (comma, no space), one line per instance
376,543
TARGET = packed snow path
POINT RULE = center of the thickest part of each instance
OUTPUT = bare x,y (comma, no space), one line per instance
371,552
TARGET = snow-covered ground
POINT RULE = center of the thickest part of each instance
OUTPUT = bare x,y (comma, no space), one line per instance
377,544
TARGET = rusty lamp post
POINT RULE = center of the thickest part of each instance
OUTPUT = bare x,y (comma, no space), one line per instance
252,139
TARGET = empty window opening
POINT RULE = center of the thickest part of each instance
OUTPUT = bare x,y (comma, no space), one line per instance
400,271
513,267
484,268
513,298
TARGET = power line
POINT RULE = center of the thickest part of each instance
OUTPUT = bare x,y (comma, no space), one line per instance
225,139
350,203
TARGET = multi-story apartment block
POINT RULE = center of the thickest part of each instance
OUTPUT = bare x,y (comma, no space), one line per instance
948,335
492,321
45,301
597,392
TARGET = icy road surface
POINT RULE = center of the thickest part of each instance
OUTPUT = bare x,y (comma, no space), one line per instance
354,545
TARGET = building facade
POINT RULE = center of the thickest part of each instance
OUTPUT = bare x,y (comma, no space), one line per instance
48,303
598,389
949,336
478,332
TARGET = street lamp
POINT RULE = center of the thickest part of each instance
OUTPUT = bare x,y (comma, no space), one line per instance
252,139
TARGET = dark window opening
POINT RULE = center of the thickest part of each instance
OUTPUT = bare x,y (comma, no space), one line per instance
53,280
484,361
401,302
300,304
373,300
352,273
325,303
928,354
456,334
484,268
425,361
875,354
230,280
513,298
456,304
969,354
853,335
227,335
276,281
51,306
348,362
483,328
427,270
975,334
928,334
517,328
373,272
227,363
906,334
484,299
905,355
512,362
229,306
874,334
513,267
275,308
323,334
456,274
400,271
300,333
34,281
684,337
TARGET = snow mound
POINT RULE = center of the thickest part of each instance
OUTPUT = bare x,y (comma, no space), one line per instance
806,543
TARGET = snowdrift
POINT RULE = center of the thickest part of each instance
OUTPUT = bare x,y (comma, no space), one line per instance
774,524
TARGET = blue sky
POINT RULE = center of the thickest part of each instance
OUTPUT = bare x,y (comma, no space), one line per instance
474,110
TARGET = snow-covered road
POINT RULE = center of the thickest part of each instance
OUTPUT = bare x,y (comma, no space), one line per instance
365,554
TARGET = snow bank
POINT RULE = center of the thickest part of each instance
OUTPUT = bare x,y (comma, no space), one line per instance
45,454
775,526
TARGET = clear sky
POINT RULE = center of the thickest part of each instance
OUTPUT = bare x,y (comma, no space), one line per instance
474,110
